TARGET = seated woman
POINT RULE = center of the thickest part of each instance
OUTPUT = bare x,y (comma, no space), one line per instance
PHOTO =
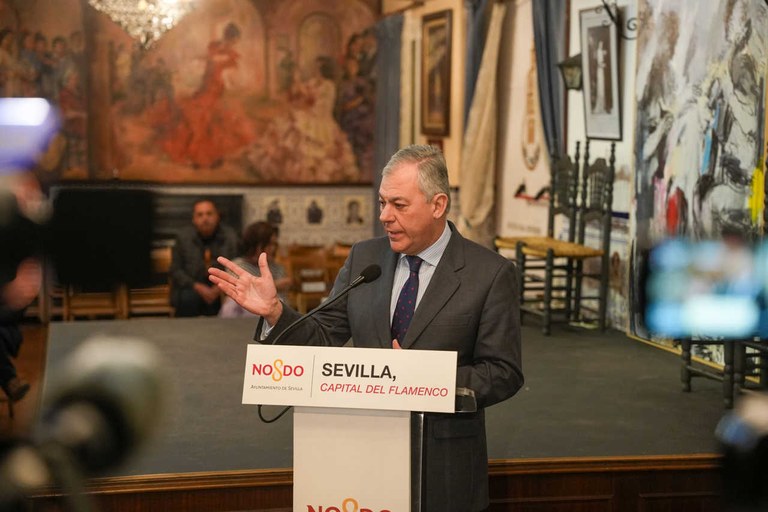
257,238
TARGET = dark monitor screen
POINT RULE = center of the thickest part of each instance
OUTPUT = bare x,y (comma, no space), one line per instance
102,236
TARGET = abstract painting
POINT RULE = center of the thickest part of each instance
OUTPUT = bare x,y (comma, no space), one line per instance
699,129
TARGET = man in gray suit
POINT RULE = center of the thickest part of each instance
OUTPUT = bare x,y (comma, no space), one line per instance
466,300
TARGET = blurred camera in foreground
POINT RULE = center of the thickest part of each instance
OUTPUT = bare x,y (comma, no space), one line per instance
26,127
715,288
743,436
100,405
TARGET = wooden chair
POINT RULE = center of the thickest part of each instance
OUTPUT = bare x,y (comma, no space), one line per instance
563,261
563,190
90,303
49,303
596,212
750,368
729,376
308,267
337,255
154,299
546,274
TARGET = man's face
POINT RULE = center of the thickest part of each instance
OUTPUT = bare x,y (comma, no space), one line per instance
412,222
205,217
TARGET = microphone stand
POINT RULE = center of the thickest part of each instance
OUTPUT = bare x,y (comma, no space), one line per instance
362,278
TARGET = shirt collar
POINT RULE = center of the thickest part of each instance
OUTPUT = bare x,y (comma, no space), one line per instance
434,252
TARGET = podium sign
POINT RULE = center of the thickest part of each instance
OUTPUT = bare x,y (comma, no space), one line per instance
352,433
357,378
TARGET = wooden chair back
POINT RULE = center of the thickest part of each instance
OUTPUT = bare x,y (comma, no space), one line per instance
596,207
564,183
155,298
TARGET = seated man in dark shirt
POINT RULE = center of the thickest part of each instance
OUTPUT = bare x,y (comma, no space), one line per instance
196,248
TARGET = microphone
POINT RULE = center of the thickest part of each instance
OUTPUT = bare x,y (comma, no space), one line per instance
368,275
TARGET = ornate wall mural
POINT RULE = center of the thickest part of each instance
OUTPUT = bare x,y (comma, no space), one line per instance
263,91
42,54
242,92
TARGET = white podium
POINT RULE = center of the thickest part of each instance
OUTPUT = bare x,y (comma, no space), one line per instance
356,446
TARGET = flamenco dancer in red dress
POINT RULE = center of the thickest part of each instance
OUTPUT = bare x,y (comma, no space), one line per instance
205,131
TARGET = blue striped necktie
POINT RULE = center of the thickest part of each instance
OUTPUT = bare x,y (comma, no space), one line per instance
406,302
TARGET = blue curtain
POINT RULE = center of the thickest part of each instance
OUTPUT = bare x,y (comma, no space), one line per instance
386,139
549,17
476,28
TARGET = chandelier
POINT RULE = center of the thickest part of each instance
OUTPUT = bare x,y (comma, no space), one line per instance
144,20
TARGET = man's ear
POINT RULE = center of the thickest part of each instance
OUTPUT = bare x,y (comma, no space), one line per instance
440,202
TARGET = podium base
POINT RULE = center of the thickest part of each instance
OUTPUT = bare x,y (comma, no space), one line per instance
351,459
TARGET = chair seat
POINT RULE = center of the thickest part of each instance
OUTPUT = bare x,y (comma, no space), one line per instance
91,304
510,242
151,300
560,249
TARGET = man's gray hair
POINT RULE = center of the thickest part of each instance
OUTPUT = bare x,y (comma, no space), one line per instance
433,172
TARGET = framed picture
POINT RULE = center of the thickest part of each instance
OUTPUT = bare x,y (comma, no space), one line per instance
599,62
438,143
436,73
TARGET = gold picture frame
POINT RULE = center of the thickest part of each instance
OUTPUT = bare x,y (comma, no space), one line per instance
436,73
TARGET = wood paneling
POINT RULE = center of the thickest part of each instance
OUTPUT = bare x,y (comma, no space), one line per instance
647,484
651,484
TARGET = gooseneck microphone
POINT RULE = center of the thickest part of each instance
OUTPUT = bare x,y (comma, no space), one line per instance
368,275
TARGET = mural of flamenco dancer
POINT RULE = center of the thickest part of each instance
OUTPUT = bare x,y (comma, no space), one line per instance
243,92
203,130
306,142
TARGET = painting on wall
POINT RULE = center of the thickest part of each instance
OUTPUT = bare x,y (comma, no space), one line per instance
600,65
699,127
436,73
354,210
262,92
314,215
42,55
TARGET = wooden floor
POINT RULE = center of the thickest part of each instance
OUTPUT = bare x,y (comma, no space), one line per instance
30,366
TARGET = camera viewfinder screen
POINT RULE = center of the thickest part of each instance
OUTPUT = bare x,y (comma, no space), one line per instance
707,289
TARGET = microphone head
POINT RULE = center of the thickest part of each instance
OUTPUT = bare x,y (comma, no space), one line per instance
370,273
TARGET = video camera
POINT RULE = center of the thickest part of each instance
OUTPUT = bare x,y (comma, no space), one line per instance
707,289
106,397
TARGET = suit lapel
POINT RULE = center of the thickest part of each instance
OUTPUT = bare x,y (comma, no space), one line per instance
442,287
381,299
